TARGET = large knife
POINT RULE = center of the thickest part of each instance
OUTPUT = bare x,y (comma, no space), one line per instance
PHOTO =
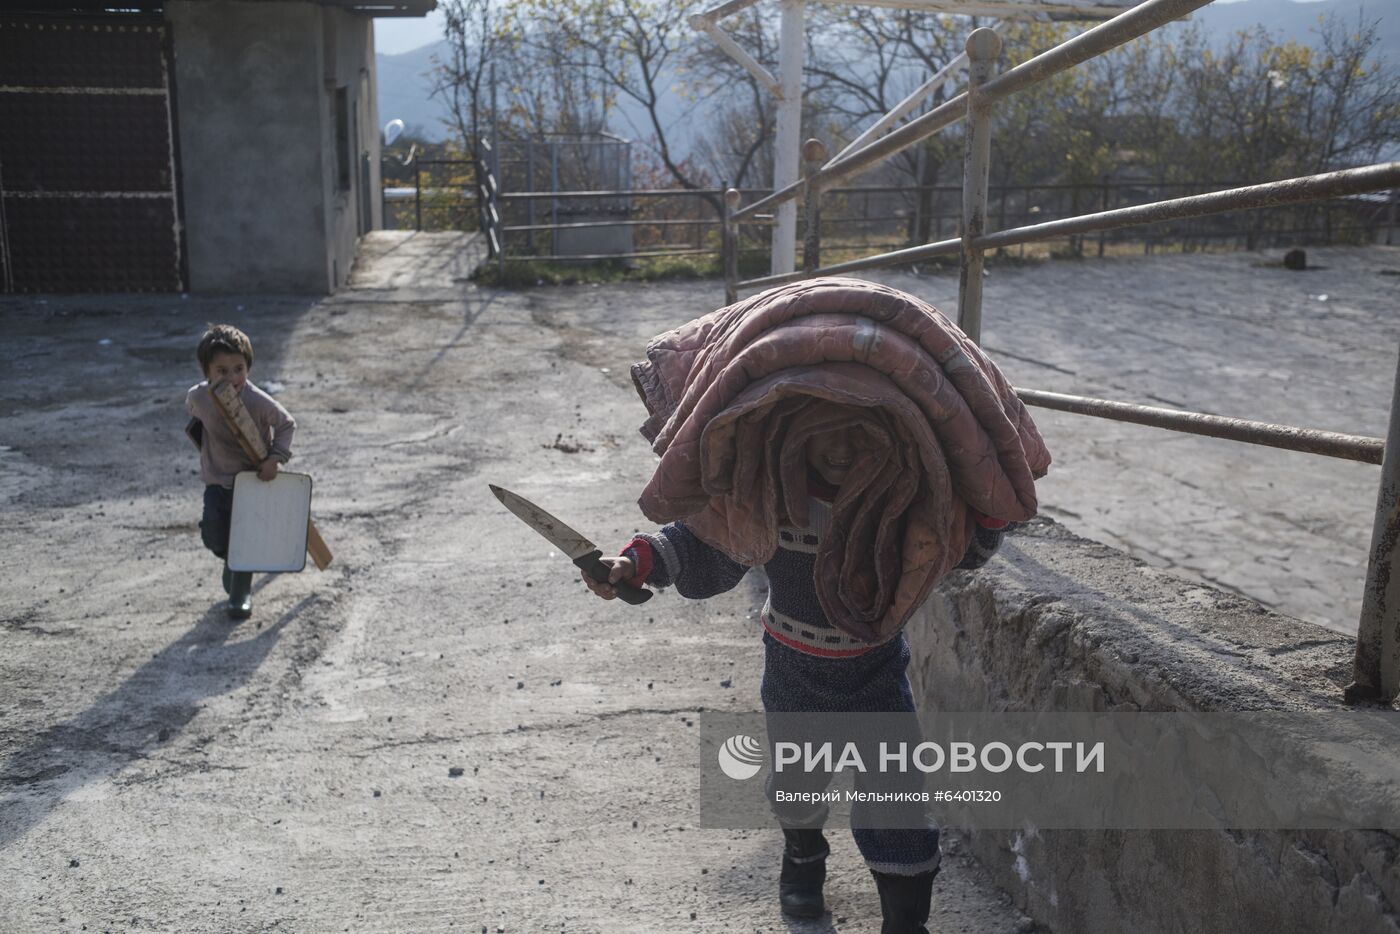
580,550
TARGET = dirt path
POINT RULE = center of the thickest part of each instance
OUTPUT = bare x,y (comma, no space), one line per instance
439,733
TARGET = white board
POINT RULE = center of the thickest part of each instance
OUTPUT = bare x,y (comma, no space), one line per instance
268,531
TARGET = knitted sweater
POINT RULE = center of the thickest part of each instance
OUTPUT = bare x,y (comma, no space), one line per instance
220,455
792,614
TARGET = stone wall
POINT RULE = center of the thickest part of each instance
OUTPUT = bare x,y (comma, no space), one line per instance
1057,622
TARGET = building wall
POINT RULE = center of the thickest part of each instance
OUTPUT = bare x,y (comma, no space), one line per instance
347,65
274,179
249,112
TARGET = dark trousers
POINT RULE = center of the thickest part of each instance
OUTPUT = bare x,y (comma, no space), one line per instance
218,513
797,688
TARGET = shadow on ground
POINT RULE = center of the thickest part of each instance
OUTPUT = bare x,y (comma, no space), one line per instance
145,711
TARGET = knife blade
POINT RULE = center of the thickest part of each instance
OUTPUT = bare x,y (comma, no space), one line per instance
580,550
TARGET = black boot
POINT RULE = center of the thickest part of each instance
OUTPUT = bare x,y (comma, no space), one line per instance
240,594
804,871
228,580
904,901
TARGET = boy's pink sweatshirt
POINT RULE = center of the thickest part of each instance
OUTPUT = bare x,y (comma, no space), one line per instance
220,455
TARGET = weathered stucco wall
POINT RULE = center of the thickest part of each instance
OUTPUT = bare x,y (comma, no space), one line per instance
249,115
1057,622
347,62
269,204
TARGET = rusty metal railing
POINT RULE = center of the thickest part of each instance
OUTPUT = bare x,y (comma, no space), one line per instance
1376,669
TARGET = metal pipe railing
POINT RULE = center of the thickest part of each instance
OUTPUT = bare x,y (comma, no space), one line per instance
583,225
1306,440
1377,661
813,155
1270,194
983,48
729,245
1123,28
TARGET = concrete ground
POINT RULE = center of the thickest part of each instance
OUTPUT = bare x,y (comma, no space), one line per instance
443,731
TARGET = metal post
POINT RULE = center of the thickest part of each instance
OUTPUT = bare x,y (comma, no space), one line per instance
983,48
1390,221
554,202
418,197
791,46
530,186
729,245
1103,207
1376,670
814,156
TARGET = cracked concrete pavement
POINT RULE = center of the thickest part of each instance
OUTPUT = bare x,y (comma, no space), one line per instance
443,731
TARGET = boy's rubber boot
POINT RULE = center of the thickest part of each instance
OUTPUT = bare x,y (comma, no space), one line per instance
804,871
904,901
240,594
228,580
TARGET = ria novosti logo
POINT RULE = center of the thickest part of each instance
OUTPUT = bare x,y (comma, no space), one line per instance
741,757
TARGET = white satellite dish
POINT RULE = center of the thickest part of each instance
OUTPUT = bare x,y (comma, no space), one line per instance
392,130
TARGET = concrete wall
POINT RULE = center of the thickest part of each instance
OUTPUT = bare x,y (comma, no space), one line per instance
256,97
1057,622
347,61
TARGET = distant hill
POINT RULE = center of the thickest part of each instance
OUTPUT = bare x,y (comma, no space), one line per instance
405,84
405,90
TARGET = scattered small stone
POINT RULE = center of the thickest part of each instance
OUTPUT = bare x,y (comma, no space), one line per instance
634,825
519,685
692,916
1295,259
72,864
376,792
456,771
279,890
726,683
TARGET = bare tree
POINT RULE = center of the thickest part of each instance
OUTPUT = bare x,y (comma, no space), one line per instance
633,48
479,36
743,113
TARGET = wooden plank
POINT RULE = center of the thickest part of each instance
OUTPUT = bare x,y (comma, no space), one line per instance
316,547
250,439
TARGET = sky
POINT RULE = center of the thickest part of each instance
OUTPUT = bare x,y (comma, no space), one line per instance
395,34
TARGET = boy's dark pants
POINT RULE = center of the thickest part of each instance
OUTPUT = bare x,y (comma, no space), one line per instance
214,529
218,513
899,842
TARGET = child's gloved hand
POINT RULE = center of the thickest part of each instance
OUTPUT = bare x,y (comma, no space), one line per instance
268,469
619,570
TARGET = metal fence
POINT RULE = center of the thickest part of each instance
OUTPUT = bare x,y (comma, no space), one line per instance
1376,673
860,219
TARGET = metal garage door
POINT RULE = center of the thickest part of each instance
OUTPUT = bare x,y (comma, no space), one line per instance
88,183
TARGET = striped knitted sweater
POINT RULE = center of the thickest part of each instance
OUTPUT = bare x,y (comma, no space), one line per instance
792,614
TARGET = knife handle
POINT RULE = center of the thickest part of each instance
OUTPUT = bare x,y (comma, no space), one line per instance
597,570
